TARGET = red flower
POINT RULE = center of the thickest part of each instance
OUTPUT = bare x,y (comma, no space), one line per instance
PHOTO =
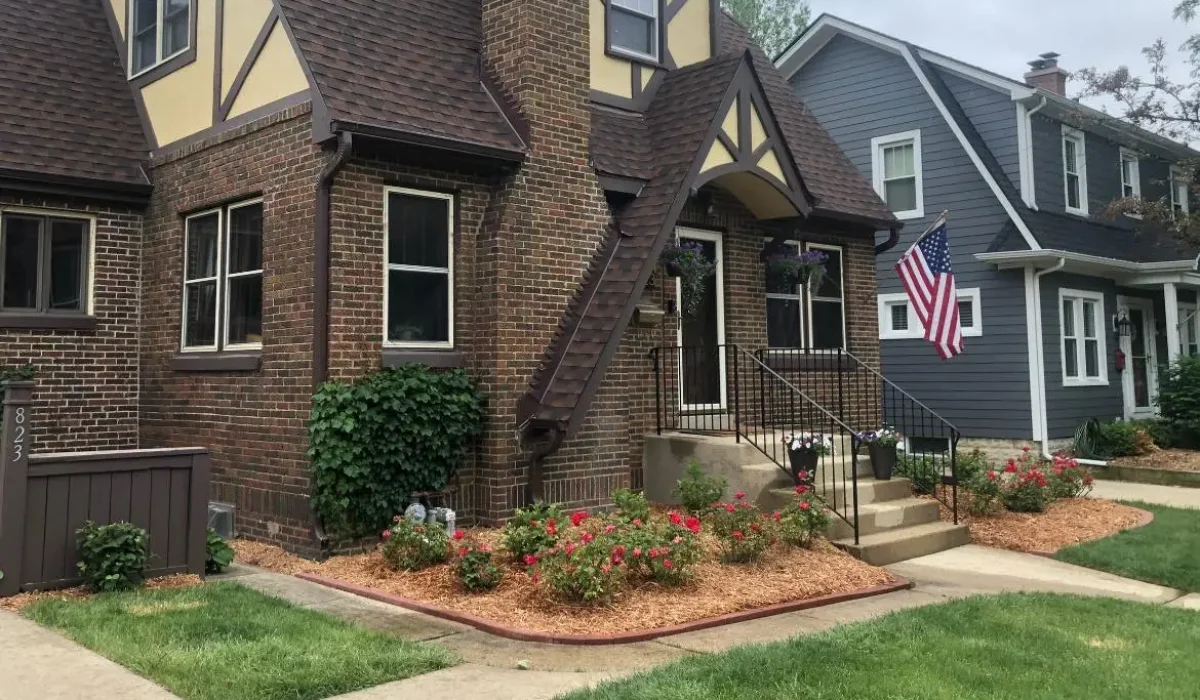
740,495
535,578
693,524
578,517
676,518
588,537
737,535
637,552
805,505
530,560
569,549
1011,467
387,534
459,534
606,568
729,507
801,489
776,516
462,551
991,475
1026,448
667,564
803,475
756,527
637,522
551,527
609,528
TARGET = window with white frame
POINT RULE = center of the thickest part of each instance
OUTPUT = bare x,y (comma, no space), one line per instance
896,167
1081,319
1180,189
898,320
419,294
223,278
1189,337
1131,178
1075,170
809,319
44,263
633,27
158,30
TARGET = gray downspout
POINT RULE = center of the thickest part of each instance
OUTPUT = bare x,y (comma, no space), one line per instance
892,241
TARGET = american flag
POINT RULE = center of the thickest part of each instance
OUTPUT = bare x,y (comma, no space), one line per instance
929,281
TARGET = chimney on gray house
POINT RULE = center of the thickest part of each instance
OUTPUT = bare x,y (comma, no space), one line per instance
1046,74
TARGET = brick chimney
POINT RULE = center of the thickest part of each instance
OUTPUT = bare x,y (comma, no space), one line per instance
1045,74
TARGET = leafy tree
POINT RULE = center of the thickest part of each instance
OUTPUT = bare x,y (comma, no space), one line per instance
772,23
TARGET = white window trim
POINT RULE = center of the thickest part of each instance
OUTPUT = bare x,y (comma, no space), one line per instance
228,249
1080,346
877,145
807,328
216,278
1179,178
1076,136
656,33
448,270
158,39
1186,311
798,297
1129,156
916,331
90,282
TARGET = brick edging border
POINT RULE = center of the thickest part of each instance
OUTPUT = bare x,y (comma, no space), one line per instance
1145,519
520,635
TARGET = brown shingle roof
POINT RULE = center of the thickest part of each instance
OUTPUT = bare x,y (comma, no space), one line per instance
66,110
407,66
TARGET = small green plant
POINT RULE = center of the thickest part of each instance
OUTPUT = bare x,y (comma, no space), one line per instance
803,520
743,533
630,505
922,470
699,491
218,553
968,465
1123,439
984,494
532,530
112,557
1179,392
410,546
474,566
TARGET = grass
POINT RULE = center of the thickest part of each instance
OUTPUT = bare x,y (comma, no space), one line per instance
224,641
1166,552
1026,647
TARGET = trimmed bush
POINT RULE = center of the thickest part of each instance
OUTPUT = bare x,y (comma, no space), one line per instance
410,546
1179,392
532,530
112,557
475,568
377,440
803,520
631,505
1123,439
699,491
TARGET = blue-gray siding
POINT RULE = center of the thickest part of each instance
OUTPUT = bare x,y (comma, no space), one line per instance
859,92
993,114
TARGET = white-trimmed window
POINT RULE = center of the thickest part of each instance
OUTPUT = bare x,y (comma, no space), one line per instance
44,263
1180,189
1131,175
633,27
1081,318
1189,331
223,278
896,167
898,320
1075,171
158,30
419,268
816,320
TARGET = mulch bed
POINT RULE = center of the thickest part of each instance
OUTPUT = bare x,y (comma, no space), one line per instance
784,575
1168,460
1066,522
23,600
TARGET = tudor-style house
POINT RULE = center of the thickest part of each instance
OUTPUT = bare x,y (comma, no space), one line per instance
1069,313
210,207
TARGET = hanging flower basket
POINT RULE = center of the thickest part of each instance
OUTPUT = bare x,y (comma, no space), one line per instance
787,267
687,261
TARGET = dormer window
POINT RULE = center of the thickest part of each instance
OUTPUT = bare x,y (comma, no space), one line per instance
158,31
1075,171
634,28
1131,180
1180,188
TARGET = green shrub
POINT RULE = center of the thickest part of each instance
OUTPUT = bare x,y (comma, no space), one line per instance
699,491
665,552
1069,479
803,520
631,505
984,490
1122,439
410,546
969,465
112,557
742,533
923,471
375,441
1179,392
218,553
475,568
1024,487
582,571
531,530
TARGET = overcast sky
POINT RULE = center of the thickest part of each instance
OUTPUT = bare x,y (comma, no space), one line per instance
1003,35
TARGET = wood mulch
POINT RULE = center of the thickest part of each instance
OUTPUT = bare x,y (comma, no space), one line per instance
784,575
1066,522
1168,460
23,600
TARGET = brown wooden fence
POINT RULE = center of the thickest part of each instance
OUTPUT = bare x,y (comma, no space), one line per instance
45,499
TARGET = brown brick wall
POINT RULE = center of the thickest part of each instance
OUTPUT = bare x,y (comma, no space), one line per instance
254,422
87,380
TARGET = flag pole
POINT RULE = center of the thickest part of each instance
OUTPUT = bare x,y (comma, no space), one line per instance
942,218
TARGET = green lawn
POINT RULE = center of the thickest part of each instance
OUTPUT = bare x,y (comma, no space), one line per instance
1018,647
226,642
1166,552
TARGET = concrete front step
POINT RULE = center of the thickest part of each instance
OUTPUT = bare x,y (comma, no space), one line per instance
888,515
840,491
883,548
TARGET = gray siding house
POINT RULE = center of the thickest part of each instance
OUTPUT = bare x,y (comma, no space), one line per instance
1068,313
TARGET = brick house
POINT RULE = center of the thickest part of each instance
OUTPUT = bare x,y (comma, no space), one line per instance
210,207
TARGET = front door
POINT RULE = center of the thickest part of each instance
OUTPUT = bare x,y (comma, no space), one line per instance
702,334
1140,379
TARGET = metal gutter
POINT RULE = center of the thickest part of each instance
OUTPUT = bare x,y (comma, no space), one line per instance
322,259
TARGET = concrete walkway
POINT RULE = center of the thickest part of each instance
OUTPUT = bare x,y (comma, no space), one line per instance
1175,496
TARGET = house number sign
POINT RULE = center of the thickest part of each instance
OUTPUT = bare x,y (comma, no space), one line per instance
19,432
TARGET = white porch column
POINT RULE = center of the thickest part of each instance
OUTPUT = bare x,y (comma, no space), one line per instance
1171,302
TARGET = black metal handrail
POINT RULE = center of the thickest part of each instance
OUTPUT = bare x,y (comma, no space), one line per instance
863,397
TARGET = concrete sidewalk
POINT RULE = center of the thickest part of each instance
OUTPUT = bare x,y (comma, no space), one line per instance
1174,496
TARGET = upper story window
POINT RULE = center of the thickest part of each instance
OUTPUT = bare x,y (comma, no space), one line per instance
419,262
816,320
898,320
1131,177
1180,189
1075,171
44,264
223,278
633,27
1082,323
158,30
896,166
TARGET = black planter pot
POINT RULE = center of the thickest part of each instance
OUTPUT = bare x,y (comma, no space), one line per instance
804,461
674,269
883,461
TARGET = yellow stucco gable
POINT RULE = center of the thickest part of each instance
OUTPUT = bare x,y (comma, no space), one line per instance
276,74
120,10
241,29
718,155
181,103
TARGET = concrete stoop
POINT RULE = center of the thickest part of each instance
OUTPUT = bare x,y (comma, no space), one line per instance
893,525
